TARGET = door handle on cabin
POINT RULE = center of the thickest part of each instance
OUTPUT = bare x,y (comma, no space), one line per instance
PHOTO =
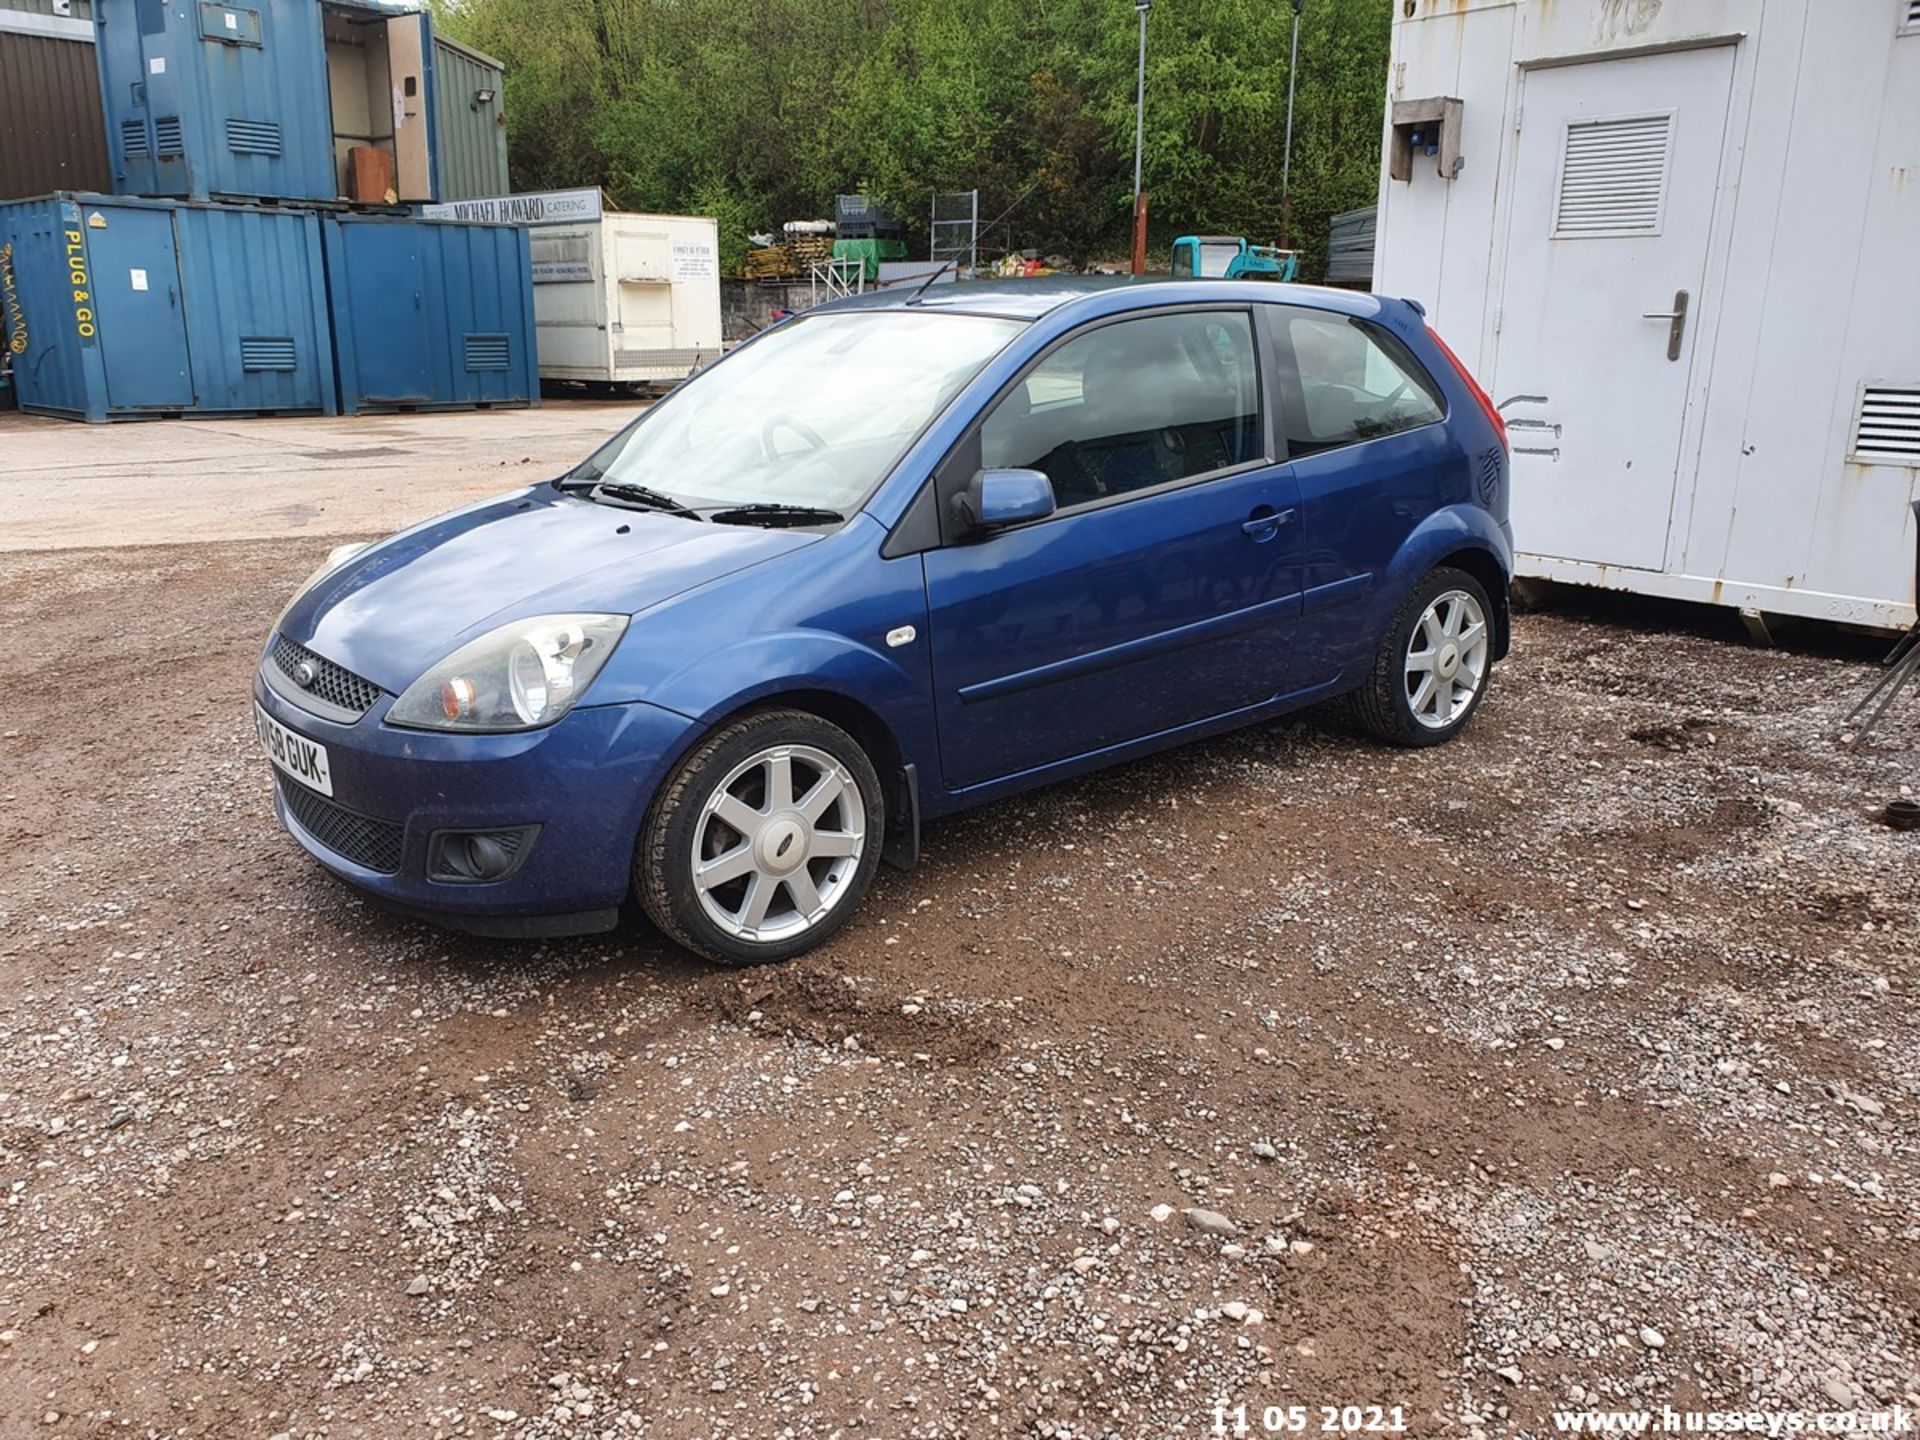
1677,322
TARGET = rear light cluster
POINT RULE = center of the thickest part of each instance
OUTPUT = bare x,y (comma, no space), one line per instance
1487,407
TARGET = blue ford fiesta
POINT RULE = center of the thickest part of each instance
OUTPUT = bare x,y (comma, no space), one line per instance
897,556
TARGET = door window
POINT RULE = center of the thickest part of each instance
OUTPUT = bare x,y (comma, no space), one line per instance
1132,406
1349,381
1217,257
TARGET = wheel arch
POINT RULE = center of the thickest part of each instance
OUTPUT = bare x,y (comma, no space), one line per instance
1465,537
899,775
855,717
1483,566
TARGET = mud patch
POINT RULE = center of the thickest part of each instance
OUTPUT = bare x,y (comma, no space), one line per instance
834,1010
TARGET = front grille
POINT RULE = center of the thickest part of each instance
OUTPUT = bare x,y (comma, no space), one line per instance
335,684
369,843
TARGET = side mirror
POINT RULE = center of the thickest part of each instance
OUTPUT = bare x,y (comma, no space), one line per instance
996,498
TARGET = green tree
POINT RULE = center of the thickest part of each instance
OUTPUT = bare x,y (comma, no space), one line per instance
759,111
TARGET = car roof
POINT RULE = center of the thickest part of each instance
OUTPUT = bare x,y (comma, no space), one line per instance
1031,299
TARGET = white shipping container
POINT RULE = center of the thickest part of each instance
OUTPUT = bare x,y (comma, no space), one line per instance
1677,242
619,299
627,299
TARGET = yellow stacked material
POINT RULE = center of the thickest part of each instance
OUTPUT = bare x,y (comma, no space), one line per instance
771,263
793,256
809,250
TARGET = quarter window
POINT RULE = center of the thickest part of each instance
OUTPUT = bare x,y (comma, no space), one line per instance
1345,381
1132,406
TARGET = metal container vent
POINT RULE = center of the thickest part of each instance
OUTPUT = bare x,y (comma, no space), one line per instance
253,137
267,352
663,359
1613,176
166,131
133,139
488,352
1886,429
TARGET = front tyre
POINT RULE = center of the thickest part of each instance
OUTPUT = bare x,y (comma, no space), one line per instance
763,840
1432,669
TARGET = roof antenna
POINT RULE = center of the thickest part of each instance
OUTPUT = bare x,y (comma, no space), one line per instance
914,299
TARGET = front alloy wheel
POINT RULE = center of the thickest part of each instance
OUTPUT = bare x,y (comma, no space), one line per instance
778,843
764,839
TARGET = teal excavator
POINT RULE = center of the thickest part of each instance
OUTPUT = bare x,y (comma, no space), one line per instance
1230,257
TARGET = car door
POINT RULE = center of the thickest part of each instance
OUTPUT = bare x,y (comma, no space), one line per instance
1362,423
1163,590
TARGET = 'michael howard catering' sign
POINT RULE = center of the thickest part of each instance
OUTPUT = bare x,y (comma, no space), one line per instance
542,207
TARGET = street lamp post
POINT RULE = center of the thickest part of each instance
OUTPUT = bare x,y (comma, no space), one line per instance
1286,159
1141,7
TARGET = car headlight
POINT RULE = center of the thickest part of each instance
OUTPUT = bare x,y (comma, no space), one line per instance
519,677
336,557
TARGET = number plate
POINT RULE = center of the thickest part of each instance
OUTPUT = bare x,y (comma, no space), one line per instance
305,760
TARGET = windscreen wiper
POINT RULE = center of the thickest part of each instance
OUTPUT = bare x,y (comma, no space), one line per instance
622,492
770,512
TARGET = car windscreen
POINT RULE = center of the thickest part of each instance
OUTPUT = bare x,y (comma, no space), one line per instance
813,413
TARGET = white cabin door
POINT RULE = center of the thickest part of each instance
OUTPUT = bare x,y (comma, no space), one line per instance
1613,197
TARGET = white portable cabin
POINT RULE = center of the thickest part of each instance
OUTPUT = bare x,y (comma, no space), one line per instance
618,299
1679,243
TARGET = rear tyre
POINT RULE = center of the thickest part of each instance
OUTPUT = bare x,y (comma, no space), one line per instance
763,840
1433,665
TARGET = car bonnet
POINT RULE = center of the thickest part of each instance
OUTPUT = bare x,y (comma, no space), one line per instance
403,604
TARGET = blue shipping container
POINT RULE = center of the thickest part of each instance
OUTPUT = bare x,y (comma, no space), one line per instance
431,314
265,98
121,308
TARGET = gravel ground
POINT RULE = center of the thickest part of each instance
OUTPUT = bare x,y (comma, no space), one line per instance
1575,1063
84,486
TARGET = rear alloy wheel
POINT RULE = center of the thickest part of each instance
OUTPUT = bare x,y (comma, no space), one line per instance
763,841
1434,663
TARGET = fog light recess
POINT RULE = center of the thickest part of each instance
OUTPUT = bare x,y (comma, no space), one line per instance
478,857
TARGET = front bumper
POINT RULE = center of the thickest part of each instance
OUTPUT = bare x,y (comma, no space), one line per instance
586,781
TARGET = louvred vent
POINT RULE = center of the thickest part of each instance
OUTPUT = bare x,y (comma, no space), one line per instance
1887,429
267,352
253,137
1613,177
488,352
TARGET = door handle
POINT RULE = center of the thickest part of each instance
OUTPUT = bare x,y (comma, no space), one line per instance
1264,523
1677,322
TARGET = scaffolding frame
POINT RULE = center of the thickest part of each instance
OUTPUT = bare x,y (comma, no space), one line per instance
954,230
